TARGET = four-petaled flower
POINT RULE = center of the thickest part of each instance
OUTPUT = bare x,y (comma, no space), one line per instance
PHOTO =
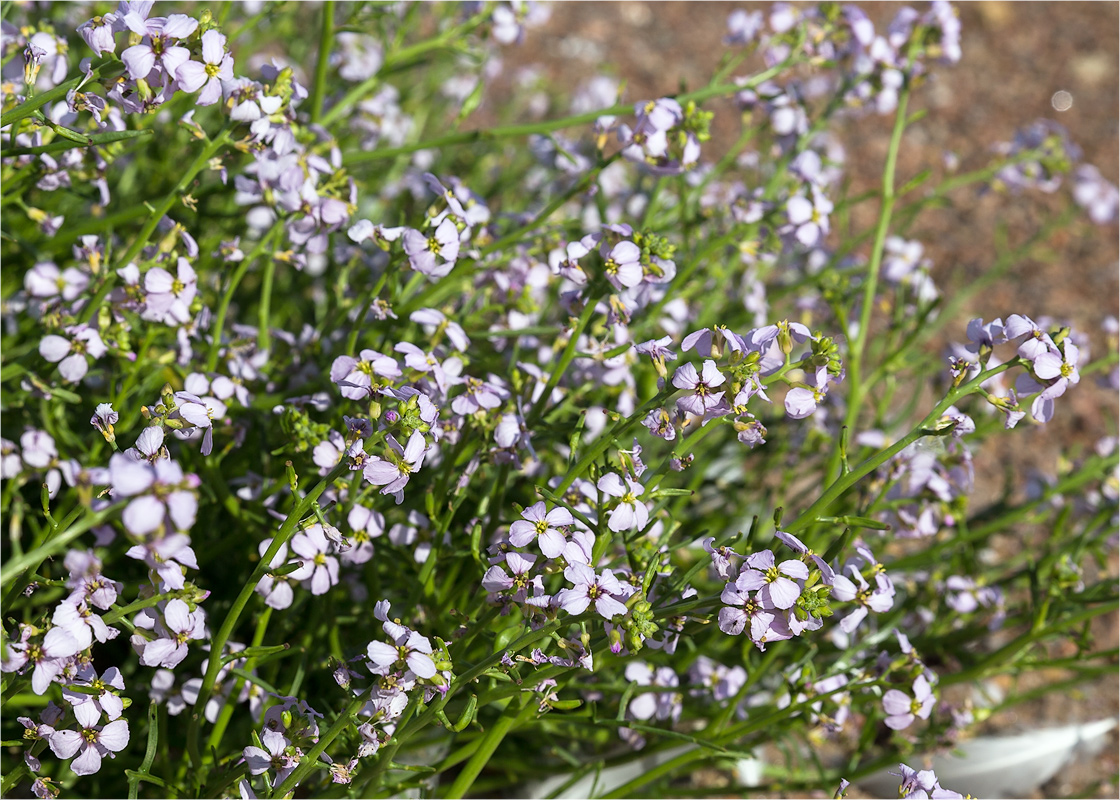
544,527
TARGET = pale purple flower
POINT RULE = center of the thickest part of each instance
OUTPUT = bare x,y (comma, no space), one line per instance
623,265
173,499
802,401
702,386
1037,341
518,579
433,255
200,412
100,33
705,339
847,590
902,709
45,280
544,527
808,219
276,757
409,649
320,568
49,655
71,353
776,583
168,298
176,626
630,513
587,588
721,681
479,395
75,616
358,378
660,424
157,46
217,66
276,591
103,419
107,700
1095,194
86,581
436,322
654,705
393,474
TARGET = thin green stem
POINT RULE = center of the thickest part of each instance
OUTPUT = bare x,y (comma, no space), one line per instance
311,760
134,778
157,213
528,129
235,280
214,663
326,39
565,359
518,710
845,482
854,366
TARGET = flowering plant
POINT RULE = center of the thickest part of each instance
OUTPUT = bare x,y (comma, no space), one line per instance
400,454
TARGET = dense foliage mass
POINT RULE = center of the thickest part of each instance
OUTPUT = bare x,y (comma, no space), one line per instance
352,450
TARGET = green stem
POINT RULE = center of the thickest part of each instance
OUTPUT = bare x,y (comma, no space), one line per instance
264,313
326,38
30,106
517,710
527,129
222,722
393,60
311,760
134,778
223,307
565,359
31,561
157,213
214,663
844,482
854,365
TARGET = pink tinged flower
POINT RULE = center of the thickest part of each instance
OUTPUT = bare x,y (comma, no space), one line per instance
409,648
702,386
320,569
590,588
82,623
275,755
159,33
902,709
393,475
801,402
542,526
217,66
776,583
435,320
479,395
433,255
45,280
168,298
630,513
356,377
48,656
1037,341
100,33
704,339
